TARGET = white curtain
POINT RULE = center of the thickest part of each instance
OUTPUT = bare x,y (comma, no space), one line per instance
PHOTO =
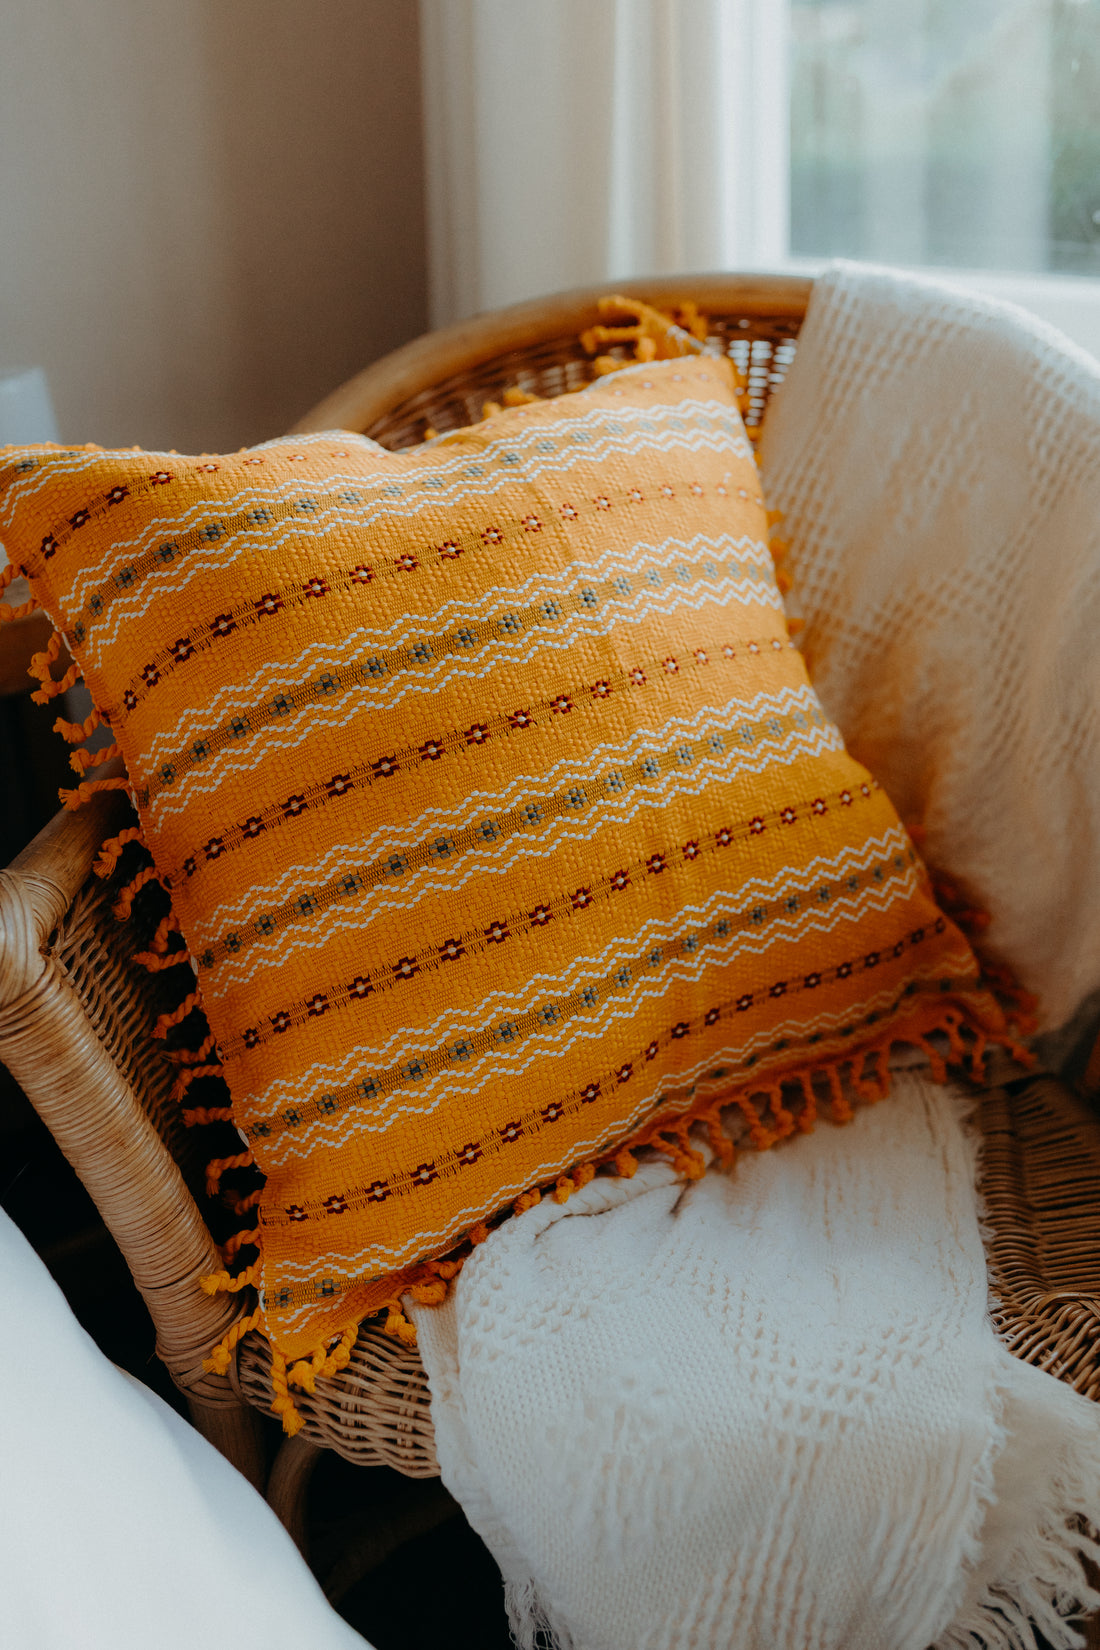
573,141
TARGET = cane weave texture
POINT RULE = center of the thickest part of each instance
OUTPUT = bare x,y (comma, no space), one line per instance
498,813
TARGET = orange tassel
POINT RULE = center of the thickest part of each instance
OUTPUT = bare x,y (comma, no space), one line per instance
808,1113
40,666
124,903
398,1326
283,1404
81,761
165,1022
87,789
240,1205
429,1294
223,1283
75,733
239,1240
7,611
192,1056
222,1165
218,1361
111,850
190,1075
196,1116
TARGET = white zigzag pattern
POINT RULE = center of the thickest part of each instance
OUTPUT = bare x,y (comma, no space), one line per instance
380,491
546,1045
409,626
295,729
825,1022
474,805
313,936
20,491
419,1039
538,1048
364,518
374,1261
571,769
451,1023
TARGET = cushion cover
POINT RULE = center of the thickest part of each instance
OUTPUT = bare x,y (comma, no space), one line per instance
498,812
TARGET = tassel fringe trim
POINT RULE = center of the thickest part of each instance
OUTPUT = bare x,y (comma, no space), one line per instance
8,613
770,1114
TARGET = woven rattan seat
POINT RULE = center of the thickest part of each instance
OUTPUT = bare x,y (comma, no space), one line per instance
75,1013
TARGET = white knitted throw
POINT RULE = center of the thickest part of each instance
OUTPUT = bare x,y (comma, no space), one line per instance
768,1409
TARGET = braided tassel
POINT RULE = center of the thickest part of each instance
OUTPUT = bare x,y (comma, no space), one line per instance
192,1056
81,761
398,1326
239,1240
304,1374
7,611
282,1403
125,902
75,733
87,789
39,668
340,1356
218,1361
223,1283
111,851
165,1022
158,955
196,1116
222,1165
183,1082
241,1204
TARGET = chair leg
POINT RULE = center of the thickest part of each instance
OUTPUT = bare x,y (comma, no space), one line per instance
236,1431
288,1485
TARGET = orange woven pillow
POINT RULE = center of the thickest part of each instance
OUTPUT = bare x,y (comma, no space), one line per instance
501,821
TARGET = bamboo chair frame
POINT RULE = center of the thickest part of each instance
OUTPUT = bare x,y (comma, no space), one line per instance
75,1012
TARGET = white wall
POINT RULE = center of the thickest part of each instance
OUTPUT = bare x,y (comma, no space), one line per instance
211,211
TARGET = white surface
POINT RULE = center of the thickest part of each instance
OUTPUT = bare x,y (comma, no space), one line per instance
121,1528
935,457
763,1410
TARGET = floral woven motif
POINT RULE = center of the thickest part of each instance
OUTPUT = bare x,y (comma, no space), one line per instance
502,823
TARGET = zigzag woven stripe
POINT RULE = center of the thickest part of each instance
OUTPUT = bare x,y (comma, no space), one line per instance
500,819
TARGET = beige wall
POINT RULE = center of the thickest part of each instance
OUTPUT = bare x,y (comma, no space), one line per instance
211,211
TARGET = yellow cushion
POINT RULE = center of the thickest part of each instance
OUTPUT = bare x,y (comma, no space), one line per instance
498,812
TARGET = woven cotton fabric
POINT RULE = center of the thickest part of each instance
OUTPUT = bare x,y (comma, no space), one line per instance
766,1409
934,454
498,812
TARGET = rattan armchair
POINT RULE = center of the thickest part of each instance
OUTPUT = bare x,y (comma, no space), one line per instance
75,1013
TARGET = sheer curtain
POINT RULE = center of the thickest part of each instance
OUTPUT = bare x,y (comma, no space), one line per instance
570,141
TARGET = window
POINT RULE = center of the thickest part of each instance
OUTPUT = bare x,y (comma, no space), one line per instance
958,134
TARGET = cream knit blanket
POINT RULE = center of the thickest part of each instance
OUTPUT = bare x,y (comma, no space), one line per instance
768,1409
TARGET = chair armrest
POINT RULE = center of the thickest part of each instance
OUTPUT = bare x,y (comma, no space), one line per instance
75,1015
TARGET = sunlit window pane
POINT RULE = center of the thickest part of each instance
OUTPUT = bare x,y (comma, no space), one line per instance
963,132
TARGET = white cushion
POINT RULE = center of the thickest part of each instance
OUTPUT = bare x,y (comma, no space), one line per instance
120,1527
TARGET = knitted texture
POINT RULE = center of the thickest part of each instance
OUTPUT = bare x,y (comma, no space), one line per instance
934,455
765,1409
498,813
